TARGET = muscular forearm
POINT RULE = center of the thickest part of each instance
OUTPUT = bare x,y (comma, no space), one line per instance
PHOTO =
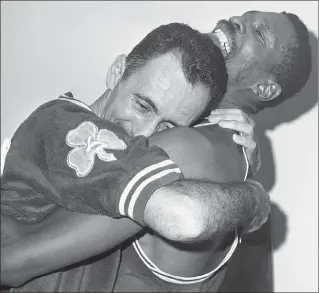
62,239
192,210
184,211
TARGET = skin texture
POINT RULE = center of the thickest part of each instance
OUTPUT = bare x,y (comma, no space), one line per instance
31,251
45,247
207,153
28,251
136,120
257,39
154,98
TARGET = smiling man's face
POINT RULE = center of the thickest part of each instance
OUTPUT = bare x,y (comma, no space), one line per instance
156,97
251,43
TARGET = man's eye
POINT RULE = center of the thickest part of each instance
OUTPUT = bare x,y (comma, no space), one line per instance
260,35
144,108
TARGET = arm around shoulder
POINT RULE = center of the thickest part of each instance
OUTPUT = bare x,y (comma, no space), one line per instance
193,210
198,207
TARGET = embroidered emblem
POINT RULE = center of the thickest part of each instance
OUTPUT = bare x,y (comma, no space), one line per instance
88,141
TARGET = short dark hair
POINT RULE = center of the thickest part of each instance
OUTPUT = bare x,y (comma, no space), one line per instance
293,71
202,61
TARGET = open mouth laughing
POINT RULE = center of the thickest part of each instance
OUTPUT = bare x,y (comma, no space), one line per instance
226,35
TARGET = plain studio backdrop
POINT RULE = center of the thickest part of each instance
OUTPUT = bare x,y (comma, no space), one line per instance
49,48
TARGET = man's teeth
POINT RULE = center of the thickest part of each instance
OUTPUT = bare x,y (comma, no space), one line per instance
222,40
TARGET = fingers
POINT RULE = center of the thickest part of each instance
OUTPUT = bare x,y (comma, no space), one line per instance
243,141
231,117
230,114
244,128
230,111
239,121
246,139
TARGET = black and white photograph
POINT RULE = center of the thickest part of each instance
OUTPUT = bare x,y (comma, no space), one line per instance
159,146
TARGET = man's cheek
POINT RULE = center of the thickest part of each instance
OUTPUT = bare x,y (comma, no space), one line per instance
250,55
242,59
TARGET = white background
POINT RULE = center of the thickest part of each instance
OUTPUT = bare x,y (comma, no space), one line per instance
48,48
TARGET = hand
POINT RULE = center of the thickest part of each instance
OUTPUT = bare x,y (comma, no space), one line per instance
238,120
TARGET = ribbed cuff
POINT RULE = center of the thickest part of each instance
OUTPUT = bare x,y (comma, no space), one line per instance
141,186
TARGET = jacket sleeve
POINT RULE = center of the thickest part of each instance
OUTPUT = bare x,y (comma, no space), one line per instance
64,155
94,167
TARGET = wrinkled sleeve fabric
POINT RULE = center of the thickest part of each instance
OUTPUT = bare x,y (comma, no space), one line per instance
64,155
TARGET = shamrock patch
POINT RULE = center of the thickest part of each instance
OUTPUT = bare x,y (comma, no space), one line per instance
87,141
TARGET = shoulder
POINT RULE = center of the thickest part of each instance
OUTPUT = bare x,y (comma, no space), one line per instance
208,152
60,107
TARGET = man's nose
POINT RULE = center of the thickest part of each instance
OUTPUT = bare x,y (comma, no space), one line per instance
239,24
146,128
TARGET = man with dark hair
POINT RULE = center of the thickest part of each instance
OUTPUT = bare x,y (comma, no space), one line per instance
271,73
266,53
152,263
268,60
183,71
190,48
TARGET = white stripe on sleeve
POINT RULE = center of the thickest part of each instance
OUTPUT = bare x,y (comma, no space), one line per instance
145,183
137,177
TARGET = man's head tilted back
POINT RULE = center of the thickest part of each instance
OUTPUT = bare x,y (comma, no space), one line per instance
266,52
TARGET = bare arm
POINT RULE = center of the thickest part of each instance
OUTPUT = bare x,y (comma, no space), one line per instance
65,237
185,211
207,209
199,209
62,239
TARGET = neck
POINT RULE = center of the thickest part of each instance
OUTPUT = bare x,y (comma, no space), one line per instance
99,105
242,99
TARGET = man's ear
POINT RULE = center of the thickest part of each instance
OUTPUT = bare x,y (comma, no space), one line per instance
115,71
267,90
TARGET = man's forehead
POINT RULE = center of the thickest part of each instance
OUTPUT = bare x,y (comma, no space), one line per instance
159,74
163,81
165,63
